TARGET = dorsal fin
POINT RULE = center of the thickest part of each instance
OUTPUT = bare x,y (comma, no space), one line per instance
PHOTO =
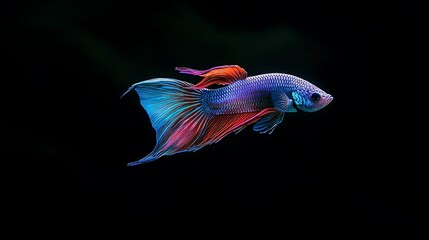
222,75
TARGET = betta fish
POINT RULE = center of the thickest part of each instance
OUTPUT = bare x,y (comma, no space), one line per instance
187,117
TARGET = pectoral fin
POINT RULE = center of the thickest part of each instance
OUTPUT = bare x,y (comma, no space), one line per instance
282,102
269,122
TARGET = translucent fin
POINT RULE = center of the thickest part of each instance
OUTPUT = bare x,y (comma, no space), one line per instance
269,122
281,101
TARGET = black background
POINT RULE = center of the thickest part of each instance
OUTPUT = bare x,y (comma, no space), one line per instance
340,173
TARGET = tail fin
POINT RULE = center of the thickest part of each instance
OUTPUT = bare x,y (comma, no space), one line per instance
180,121
175,112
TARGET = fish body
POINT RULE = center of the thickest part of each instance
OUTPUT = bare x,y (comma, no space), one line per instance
187,117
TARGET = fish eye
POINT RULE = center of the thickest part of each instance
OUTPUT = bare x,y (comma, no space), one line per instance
315,97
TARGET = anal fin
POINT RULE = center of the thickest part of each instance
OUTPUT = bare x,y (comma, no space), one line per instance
222,125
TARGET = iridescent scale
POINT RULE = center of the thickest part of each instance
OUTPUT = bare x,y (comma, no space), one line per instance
250,94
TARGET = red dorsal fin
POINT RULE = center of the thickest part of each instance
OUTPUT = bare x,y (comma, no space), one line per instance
222,75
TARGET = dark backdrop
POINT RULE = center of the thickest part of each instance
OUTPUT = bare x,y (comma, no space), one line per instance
69,136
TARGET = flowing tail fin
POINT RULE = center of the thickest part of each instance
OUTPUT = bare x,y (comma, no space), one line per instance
179,119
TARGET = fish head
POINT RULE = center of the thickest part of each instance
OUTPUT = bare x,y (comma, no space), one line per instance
311,99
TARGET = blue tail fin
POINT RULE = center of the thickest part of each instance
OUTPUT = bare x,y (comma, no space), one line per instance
175,112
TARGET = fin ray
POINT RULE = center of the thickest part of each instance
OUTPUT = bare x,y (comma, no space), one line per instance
222,125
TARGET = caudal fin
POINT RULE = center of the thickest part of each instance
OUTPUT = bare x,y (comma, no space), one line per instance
175,112
179,119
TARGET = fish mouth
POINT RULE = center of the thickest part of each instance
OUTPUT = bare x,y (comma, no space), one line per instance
329,99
